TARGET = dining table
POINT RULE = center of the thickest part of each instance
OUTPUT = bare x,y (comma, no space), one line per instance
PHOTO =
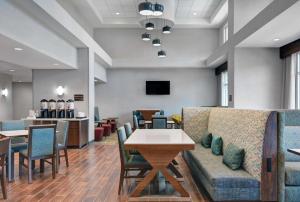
159,147
10,134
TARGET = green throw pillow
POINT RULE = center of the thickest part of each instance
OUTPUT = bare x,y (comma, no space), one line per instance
206,140
216,145
233,157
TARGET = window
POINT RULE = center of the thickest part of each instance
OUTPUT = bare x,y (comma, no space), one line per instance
224,88
297,63
225,32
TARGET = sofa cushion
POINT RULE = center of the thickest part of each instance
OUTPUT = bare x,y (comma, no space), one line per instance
292,173
233,156
206,140
218,174
216,145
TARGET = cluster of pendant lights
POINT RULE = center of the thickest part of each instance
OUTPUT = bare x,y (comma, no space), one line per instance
148,9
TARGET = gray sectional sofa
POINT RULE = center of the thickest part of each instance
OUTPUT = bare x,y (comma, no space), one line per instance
253,130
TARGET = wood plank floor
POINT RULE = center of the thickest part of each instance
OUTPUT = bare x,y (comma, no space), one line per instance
93,175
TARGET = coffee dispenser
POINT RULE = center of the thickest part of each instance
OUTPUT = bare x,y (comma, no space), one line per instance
52,108
70,108
44,108
61,112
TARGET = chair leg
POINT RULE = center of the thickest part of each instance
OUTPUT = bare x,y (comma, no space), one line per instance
66,157
3,183
29,171
57,160
21,163
53,167
42,165
121,181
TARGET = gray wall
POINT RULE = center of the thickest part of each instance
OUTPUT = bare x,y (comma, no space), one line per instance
6,111
22,99
45,83
258,78
125,91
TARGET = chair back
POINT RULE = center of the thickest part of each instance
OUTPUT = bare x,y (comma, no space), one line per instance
14,125
96,114
42,140
135,122
128,129
162,112
159,122
4,144
63,130
124,155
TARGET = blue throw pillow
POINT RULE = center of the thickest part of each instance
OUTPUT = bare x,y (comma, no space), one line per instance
216,145
233,157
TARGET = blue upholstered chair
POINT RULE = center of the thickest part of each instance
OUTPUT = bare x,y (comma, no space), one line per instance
135,122
128,129
130,162
17,143
159,122
140,118
62,141
41,146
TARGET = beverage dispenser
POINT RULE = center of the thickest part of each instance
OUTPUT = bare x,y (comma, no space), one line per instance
61,112
44,108
52,108
70,108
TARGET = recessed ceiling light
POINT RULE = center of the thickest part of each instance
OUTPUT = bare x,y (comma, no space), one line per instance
117,13
55,64
18,49
12,70
19,81
194,13
276,39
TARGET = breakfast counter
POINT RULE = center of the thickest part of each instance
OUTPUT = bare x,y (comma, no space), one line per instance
78,129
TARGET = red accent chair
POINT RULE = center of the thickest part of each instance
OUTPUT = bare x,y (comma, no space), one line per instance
99,132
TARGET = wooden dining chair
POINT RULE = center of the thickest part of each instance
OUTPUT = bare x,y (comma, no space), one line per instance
130,162
41,146
62,142
4,145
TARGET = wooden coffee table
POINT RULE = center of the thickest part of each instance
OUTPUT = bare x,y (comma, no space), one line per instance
159,147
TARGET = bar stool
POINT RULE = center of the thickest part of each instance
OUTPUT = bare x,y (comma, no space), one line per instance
113,126
99,131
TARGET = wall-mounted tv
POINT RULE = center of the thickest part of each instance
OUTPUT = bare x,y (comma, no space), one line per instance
157,87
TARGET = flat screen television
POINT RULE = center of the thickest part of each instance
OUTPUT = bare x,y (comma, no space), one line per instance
157,87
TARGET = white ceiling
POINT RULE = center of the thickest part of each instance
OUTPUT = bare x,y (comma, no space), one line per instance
188,13
284,27
18,73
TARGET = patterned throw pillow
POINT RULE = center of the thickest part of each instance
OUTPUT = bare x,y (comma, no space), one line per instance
206,140
233,157
216,145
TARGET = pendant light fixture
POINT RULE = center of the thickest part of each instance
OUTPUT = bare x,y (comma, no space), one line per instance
146,37
146,8
166,29
156,42
158,9
149,26
161,54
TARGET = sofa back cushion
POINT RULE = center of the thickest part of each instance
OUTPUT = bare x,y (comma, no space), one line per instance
245,129
195,121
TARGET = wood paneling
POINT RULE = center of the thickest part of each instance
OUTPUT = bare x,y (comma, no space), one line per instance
289,49
93,175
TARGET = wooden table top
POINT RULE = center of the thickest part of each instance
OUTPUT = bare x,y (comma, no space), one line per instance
14,133
162,138
294,151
